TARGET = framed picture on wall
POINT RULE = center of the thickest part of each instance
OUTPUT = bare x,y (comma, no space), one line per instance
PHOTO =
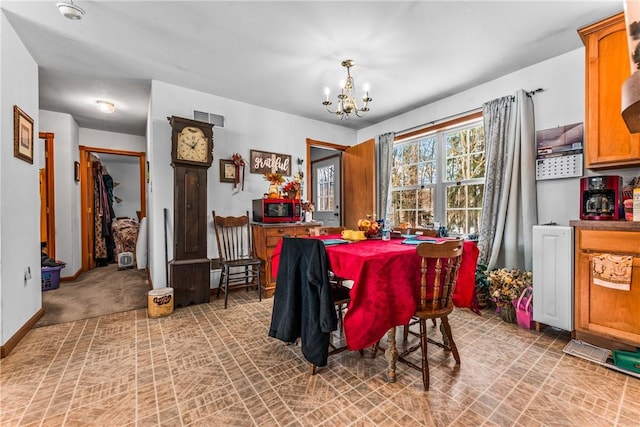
22,135
227,171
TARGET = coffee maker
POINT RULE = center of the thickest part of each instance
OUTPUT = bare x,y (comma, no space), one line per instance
600,197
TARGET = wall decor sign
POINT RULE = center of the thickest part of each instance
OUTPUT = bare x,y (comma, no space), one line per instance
265,162
22,135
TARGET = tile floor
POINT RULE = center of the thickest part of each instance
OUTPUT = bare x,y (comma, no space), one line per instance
206,366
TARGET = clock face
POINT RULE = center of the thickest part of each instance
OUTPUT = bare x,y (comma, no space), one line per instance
192,145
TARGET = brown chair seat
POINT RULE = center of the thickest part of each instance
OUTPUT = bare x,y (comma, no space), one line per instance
239,265
439,261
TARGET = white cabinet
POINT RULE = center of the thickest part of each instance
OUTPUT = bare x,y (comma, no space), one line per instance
553,276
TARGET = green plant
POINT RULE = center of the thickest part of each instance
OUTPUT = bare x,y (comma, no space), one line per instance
482,281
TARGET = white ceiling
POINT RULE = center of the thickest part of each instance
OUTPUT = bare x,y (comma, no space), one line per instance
281,55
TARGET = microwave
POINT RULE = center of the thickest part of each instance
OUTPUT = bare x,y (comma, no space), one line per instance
277,210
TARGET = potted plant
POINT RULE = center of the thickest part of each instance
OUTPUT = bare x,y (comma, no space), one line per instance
505,286
482,285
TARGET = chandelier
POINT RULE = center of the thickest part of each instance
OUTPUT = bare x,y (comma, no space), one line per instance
347,103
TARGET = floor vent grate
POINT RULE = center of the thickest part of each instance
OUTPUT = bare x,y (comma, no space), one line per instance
587,351
595,354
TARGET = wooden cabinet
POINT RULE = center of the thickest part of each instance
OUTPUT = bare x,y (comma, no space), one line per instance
606,317
608,142
266,237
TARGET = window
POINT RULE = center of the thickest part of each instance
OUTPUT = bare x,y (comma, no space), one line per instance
326,186
438,177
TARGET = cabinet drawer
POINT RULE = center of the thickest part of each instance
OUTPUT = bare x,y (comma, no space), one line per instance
618,242
303,231
280,231
272,241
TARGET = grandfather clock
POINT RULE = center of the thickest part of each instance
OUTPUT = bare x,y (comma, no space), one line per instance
191,156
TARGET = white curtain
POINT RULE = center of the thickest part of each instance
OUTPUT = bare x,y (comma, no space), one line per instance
385,150
509,207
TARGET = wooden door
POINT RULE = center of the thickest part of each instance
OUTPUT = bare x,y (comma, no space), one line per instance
359,182
44,227
327,174
47,195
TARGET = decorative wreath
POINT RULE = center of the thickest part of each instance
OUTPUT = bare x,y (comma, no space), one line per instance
238,161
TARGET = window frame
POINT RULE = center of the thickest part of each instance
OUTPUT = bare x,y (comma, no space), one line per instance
440,186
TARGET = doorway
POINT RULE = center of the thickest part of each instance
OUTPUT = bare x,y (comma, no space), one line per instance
356,180
47,197
88,157
326,182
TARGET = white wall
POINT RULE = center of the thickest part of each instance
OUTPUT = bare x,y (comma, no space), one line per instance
67,190
246,127
561,103
20,298
115,141
126,174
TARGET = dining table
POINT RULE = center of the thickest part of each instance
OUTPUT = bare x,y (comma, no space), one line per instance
386,282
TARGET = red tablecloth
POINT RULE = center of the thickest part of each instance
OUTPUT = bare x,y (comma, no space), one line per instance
386,276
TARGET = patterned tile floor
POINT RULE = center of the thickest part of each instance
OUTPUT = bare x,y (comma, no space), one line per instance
206,366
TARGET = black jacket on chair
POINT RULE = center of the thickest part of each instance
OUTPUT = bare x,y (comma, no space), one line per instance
302,306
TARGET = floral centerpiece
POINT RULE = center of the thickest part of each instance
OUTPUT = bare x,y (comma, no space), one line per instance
275,179
308,208
505,286
292,188
370,226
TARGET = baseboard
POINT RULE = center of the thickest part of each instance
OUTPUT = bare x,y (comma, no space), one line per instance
24,330
71,278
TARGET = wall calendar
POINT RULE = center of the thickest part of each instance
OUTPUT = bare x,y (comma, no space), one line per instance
559,152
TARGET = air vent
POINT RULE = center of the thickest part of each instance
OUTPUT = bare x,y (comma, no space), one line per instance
215,119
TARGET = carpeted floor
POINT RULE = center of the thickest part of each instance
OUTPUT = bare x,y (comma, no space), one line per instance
102,291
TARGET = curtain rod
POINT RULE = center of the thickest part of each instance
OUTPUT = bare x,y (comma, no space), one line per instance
464,113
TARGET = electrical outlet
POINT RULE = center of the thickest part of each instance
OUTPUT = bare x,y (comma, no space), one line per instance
27,273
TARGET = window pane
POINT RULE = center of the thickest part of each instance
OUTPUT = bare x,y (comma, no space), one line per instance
427,173
476,166
455,169
456,221
456,197
475,193
425,207
428,149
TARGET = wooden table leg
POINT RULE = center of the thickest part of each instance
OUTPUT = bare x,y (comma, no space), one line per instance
391,354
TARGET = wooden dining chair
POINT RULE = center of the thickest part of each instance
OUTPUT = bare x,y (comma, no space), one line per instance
340,291
240,268
439,265
427,232
302,298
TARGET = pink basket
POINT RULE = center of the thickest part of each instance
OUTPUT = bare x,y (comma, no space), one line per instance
524,309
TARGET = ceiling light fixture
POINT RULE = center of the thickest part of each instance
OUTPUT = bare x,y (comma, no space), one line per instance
347,103
105,106
70,10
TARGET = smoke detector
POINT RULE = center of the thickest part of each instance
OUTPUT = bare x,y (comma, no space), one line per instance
70,10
